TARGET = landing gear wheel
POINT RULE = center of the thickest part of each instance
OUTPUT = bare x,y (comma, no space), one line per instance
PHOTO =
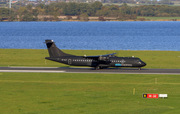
100,67
139,68
97,68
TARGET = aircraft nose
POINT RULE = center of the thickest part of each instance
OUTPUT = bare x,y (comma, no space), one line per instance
143,64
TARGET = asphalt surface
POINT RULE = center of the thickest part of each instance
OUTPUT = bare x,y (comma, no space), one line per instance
89,70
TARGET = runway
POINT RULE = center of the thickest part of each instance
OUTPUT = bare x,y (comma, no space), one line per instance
89,70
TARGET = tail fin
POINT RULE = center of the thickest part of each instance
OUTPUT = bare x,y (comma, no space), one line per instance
53,50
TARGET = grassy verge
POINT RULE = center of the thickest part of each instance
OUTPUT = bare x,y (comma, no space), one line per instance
35,93
32,57
160,18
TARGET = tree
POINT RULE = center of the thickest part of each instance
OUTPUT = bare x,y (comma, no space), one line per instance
174,14
41,11
101,18
13,15
103,12
96,6
27,17
84,17
1,18
55,13
113,7
84,8
41,6
60,11
22,11
4,13
70,9
35,12
29,7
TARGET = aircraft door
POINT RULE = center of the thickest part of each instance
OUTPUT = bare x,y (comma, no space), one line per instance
69,61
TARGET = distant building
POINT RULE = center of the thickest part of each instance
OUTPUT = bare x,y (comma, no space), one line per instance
13,2
98,0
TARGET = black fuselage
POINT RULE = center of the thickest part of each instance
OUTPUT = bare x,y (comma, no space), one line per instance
112,62
100,61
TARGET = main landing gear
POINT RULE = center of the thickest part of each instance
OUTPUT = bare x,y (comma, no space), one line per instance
139,68
98,67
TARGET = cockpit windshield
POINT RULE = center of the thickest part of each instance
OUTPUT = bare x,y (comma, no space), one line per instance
139,60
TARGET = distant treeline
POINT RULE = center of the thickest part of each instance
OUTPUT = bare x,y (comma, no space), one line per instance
84,10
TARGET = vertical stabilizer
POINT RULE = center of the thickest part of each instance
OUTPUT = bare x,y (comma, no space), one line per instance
53,50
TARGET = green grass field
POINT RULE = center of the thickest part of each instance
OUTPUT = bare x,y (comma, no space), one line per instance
32,57
159,18
66,93
79,93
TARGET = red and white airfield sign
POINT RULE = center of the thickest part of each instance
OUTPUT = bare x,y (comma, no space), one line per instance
155,96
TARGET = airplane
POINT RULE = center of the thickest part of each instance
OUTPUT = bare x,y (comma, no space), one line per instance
98,62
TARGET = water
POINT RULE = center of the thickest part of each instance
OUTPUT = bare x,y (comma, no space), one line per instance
92,35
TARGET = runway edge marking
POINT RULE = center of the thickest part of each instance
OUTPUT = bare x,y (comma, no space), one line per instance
33,71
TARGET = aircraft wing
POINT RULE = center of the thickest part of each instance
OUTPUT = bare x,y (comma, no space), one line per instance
100,57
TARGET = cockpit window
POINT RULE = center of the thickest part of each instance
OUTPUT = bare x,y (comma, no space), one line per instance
138,60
